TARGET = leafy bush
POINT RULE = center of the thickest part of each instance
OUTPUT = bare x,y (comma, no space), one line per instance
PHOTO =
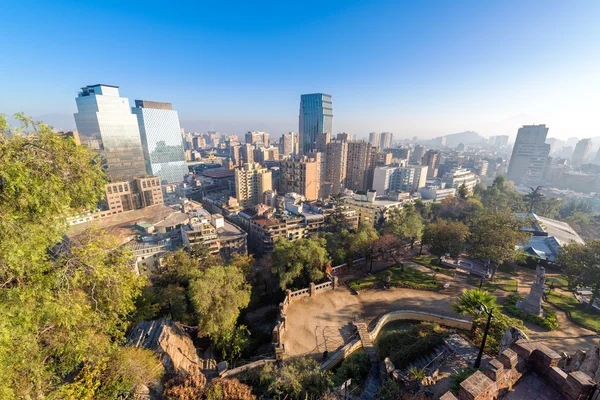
458,377
355,367
549,321
299,379
407,346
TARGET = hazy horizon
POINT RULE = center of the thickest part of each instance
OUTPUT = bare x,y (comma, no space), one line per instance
423,70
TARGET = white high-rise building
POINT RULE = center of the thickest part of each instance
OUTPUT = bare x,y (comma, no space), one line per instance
374,138
387,179
105,123
162,142
385,142
529,158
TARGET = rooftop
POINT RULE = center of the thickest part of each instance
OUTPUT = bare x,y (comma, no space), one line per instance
218,173
560,230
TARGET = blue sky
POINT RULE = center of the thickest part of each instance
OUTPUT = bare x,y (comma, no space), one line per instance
413,68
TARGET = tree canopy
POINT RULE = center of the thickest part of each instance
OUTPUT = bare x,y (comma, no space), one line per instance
62,308
297,263
494,237
446,237
218,295
582,266
404,223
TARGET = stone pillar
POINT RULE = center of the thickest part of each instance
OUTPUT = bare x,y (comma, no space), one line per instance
312,290
288,294
335,282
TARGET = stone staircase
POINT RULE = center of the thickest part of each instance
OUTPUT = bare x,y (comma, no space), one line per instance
424,361
367,343
374,381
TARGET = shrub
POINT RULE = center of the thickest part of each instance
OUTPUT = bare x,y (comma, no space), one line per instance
404,347
355,367
549,321
298,379
458,377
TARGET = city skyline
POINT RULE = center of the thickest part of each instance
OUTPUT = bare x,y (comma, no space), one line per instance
426,71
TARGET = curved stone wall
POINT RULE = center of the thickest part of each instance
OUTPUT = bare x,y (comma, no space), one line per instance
340,355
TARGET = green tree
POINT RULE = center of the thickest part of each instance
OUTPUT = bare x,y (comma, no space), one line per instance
361,243
446,237
114,377
582,266
462,192
337,245
494,237
218,295
534,198
469,301
202,253
232,343
245,262
299,379
60,306
297,263
405,223
501,196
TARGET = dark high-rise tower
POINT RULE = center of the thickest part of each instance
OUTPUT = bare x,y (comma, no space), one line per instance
316,117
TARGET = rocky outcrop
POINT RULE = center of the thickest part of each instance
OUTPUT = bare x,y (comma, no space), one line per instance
587,362
510,337
167,338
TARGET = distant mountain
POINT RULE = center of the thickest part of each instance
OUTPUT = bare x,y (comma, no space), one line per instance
467,138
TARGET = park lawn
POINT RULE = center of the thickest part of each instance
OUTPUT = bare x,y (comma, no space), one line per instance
558,281
432,262
508,285
588,318
410,277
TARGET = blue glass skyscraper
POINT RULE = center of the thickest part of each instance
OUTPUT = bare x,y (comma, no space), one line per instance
161,140
316,117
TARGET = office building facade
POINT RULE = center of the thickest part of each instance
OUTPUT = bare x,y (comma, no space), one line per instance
374,139
162,142
530,154
316,117
300,176
251,182
336,162
106,124
385,142
581,152
357,169
432,160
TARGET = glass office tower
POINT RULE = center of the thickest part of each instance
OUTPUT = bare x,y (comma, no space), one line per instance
105,123
162,141
316,117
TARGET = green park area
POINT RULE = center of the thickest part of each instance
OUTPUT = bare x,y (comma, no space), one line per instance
433,263
400,276
507,285
579,313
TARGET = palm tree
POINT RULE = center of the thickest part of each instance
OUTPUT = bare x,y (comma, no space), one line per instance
470,301
534,198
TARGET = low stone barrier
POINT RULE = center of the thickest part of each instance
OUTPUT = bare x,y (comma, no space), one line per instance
230,373
340,355
503,373
418,316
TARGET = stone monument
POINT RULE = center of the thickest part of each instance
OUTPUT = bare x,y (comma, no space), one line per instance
532,304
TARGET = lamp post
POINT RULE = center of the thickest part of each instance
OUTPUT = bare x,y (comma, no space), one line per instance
482,307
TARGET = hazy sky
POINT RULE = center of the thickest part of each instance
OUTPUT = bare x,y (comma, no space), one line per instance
413,68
